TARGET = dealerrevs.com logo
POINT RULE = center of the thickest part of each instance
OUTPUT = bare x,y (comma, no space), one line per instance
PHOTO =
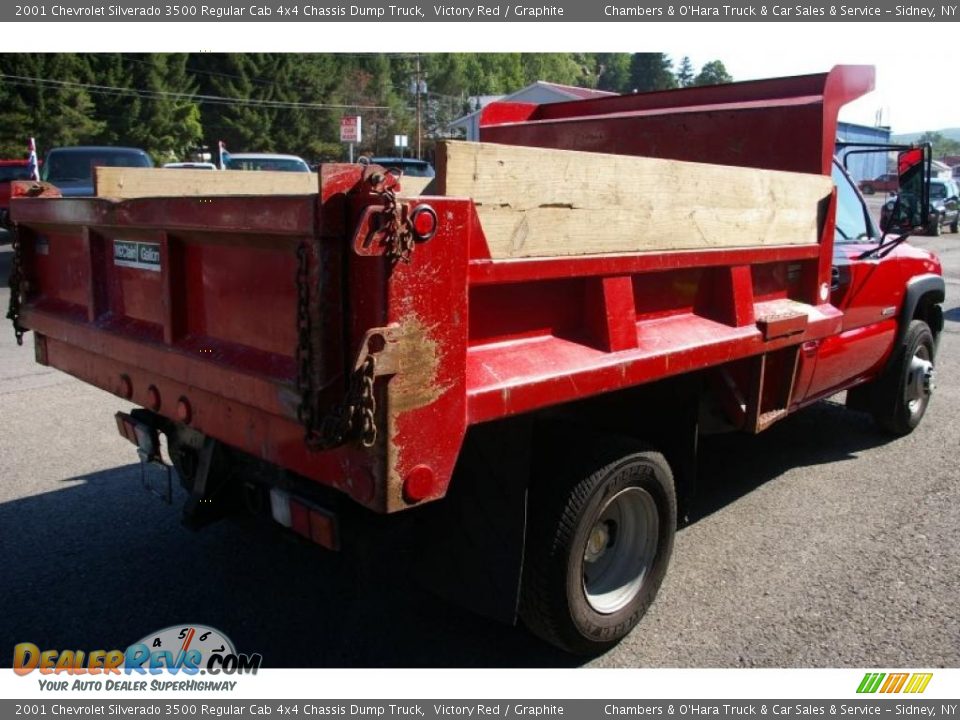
179,649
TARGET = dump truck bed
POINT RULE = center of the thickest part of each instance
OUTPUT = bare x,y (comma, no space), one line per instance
553,275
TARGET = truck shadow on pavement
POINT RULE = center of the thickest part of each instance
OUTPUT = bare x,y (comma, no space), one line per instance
731,466
100,564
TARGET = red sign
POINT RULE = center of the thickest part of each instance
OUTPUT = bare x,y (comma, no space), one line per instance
350,129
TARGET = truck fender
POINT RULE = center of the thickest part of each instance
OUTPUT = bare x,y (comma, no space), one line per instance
928,289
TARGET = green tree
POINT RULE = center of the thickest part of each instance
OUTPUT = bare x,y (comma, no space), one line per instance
244,124
156,112
563,68
651,71
613,72
118,110
941,144
713,73
44,96
685,72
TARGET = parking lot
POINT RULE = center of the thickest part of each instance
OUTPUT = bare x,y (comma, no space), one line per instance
819,543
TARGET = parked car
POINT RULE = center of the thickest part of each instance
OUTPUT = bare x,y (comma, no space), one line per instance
411,167
71,168
882,183
266,161
191,166
10,170
944,208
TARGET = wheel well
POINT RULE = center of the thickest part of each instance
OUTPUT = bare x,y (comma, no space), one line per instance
922,302
928,309
663,415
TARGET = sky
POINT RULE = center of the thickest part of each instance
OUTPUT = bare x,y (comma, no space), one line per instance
910,94
915,87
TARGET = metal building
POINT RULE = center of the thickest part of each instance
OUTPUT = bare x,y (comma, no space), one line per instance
866,166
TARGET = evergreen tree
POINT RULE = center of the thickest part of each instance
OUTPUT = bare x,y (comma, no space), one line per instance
685,75
561,68
44,96
713,73
118,110
243,125
613,72
651,71
151,107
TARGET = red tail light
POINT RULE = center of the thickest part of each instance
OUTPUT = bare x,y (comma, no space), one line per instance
424,222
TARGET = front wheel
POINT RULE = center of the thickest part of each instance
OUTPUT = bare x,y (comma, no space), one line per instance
598,545
934,228
955,225
904,392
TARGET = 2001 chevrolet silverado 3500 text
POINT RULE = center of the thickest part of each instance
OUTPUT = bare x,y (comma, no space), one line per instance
513,363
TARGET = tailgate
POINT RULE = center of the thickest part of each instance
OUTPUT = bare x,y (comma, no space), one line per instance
187,306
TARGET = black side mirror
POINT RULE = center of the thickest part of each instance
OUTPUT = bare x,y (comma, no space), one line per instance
912,207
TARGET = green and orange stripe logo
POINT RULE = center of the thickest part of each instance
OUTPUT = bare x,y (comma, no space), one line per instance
894,682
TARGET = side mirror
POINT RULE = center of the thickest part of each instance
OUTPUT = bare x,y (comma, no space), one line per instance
912,207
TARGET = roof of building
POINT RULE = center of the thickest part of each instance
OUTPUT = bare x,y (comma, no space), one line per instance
579,93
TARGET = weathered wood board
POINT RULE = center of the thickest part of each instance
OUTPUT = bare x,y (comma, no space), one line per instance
536,202
411,186
120,182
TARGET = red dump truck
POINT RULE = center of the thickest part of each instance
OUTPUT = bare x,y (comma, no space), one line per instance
512,365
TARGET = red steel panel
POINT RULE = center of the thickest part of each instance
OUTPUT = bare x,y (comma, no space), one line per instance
783,123
490,272
511,378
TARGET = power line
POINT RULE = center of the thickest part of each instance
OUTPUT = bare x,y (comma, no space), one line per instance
192,97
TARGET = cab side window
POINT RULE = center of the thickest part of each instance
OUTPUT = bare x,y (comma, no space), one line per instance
852,222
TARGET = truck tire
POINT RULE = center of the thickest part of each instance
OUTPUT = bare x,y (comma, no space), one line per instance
903,393
934,228
598,544
867,190
955,225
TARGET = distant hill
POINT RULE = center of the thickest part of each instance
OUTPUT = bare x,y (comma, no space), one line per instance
950,133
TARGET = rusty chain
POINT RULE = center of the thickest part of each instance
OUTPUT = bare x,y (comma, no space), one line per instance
16,287
399,234
394,223
355,416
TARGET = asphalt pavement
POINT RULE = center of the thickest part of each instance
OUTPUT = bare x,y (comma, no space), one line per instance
819,543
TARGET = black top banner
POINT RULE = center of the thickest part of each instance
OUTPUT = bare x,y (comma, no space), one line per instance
470,11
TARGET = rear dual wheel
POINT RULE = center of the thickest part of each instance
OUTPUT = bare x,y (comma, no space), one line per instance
599,541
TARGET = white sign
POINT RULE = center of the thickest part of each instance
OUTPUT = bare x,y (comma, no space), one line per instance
350,131
400,141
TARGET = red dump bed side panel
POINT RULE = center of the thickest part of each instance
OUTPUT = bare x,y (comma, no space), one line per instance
780,124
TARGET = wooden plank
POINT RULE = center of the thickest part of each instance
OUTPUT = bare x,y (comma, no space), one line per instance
411,186
120,182
537,202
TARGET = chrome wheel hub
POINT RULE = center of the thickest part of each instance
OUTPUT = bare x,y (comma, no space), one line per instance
620,549
921,380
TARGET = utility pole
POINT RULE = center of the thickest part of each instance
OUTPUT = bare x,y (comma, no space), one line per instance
419,156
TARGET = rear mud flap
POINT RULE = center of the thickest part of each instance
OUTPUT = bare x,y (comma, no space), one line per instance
469,546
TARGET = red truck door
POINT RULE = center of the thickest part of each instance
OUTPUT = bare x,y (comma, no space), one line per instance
868,291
